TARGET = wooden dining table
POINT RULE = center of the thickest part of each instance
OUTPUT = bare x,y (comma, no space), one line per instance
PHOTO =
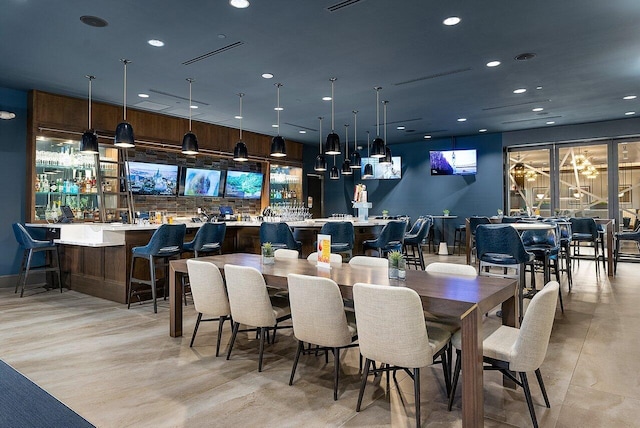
465,299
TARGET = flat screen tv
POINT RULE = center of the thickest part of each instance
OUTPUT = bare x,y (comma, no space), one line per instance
244,185
153,179
453,162
391,171
200,182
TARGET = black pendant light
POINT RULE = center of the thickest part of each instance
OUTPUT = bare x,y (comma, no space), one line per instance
387,159
124,130
378,150
368,168
240,153
334,174
346,164
190,141
321,161
278,149
332,145
89,143
356,160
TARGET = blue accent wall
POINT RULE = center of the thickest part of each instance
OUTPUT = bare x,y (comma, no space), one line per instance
13,161
420,193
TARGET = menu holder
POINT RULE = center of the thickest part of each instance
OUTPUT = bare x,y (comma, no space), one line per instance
324,251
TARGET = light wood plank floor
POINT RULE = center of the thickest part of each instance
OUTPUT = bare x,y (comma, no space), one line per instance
119,367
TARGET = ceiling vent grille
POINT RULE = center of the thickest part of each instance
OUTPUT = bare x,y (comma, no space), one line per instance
167,94
212,53
516,105
531,120
434,76
336,7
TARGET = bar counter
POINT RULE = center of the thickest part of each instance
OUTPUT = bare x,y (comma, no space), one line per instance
96,257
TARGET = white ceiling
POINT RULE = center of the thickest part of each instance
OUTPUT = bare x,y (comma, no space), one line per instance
586,60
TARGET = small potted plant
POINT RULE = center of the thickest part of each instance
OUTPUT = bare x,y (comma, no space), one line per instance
385,213
446,212
267,254
395,259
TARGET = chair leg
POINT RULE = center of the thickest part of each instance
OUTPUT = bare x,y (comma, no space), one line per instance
416,391
616,255
221,321
133,262
336,372
295,361
456,376
55,250
154,292
22,267
446,369
236,326
421,256
527,396
183,279
26,272
542,388
363,383
195,330
262,331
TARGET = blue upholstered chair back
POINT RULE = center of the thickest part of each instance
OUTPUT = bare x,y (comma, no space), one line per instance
420,233
277,233
341,232
475,221
166,241
500,239
24,238
541,238
416,226
209,233
391,232
507,219
584,226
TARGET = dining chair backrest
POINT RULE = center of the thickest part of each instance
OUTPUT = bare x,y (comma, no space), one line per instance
277,234
539,238
248,296
416,225
500,239
209,236
394,231
285,253
317,311
333,258
584,226
391,326
166,240
530,348
507,219
23,237
207,288
451,269
368,261
421,232
341,232
475,221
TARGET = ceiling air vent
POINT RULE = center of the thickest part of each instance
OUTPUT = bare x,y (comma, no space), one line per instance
336,7
212,53
433,76
167,94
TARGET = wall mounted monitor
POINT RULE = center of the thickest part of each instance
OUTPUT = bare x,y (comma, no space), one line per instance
200,182
244,185
391,171
153,179
453,162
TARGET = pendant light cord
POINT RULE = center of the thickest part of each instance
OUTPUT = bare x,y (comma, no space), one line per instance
190,80
355,130
320,117
368,144
90,79
125,62
278,85
377,88
240,95
385,119
346,141
333,127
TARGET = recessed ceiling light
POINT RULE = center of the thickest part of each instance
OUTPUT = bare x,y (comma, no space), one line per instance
426,137
525,56
538,87
274,125
278,108
222,36
194,107
630,113
238,117
267,75
7,115
302,131
452,20
537,109
482,130
156,43
462,119
629,97
493,63
240,4
520,91
93,21
551,122
400,128
326,98
143,95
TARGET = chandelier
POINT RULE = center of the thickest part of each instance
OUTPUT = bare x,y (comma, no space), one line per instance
531,175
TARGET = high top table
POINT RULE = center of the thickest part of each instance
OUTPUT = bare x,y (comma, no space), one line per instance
466,299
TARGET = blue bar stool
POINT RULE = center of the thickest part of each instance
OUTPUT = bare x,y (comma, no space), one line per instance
413,239
208,240
391,239
29,247
166,242
279,235
342,236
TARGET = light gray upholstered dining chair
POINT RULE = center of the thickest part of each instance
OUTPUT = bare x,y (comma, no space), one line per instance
368,261
252,306
209,296
451,269
523,350
333,257
284,253
319,318
391,330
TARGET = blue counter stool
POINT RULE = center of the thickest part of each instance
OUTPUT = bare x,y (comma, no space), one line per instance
585,230
208,240
626,236
31,246
166,242
342,236
279,235
544,244
459,237
391,238
413,240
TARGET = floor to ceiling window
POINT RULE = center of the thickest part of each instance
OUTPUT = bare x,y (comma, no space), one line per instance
629,183
583,181
529,183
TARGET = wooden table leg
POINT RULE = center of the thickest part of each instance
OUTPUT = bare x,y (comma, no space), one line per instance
175,302
610,261
472,378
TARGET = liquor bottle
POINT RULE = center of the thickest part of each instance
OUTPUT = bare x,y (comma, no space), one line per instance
37,183
44,184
